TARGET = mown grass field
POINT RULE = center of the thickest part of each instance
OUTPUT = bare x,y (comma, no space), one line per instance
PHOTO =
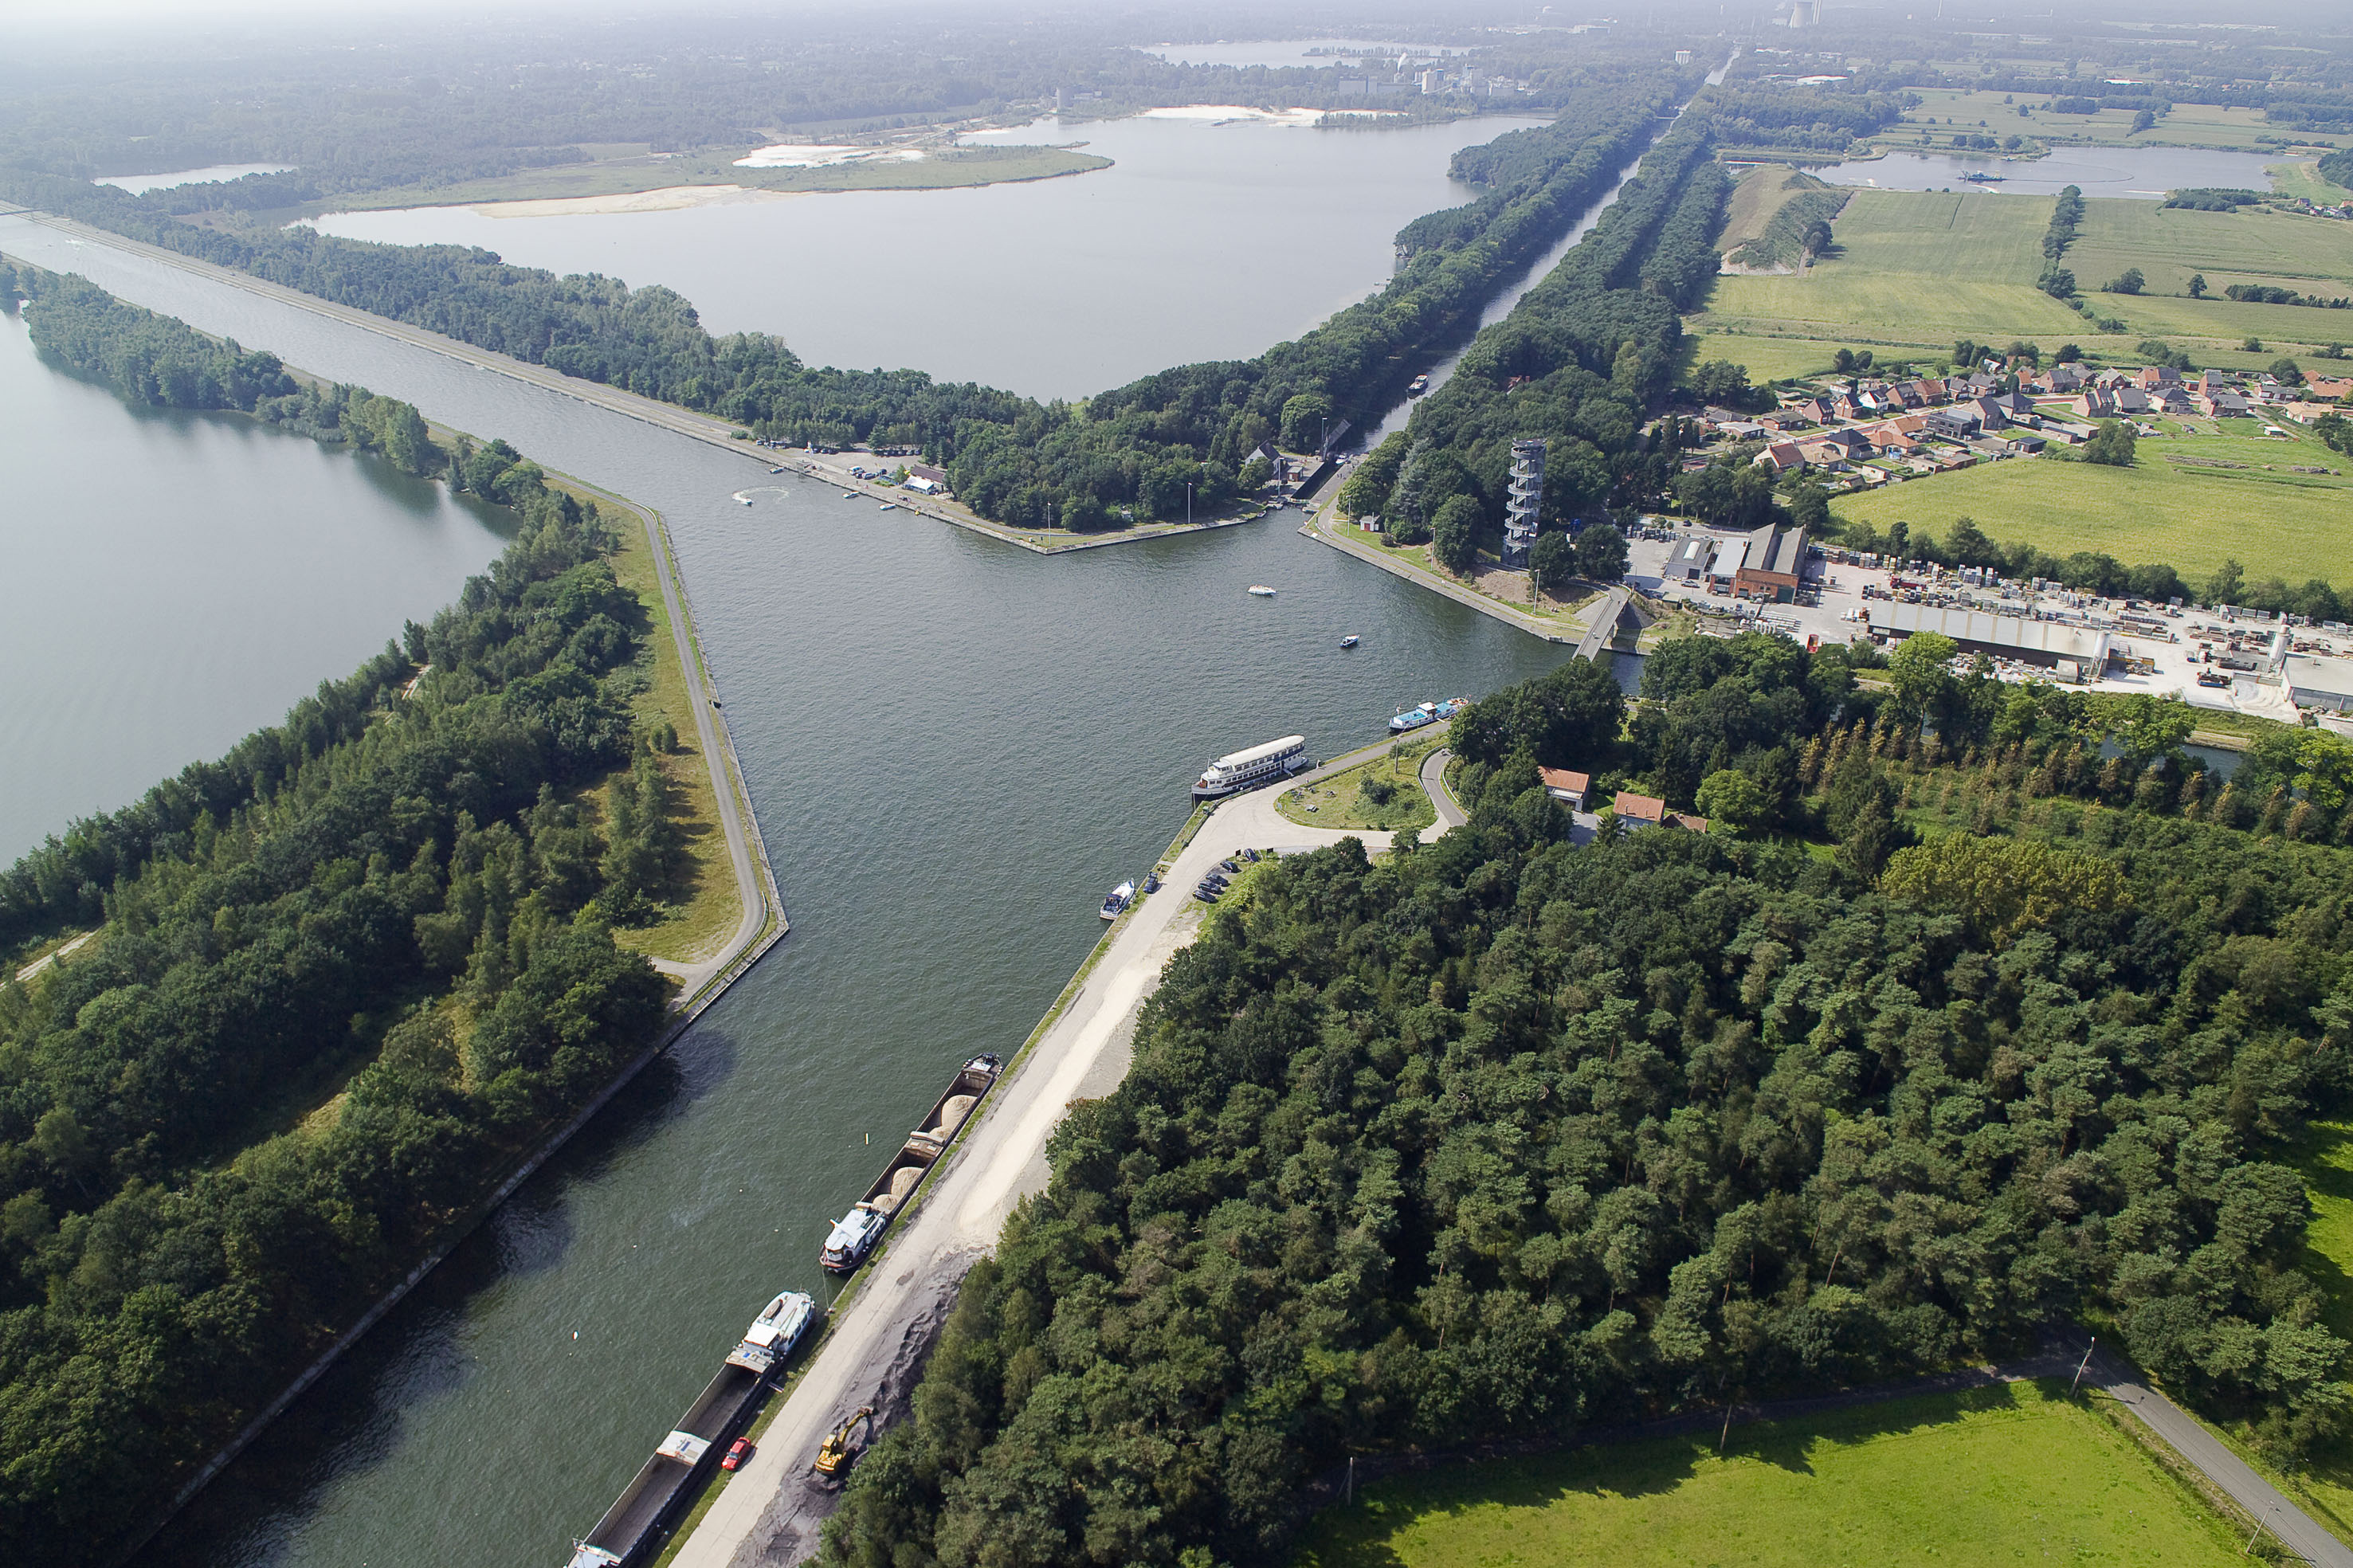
2189,124
1914,271
2302,177
1988,1477
2291,526
1917,269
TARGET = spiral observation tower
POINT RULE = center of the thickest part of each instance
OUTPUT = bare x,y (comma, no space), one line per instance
1527,500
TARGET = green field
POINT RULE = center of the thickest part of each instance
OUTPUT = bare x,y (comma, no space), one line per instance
2291,526
2302,178
1917,269
1340,801
2189,124
1914,271
1988,1477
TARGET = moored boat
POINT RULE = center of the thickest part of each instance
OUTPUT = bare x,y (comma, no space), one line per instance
1255,765
1425,713
854,1234
1119,898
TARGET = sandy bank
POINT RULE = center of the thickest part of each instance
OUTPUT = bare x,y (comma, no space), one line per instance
669,198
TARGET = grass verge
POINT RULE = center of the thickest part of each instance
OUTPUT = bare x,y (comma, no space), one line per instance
1985,1476
1341,801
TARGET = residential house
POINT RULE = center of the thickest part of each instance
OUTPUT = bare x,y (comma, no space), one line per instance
1567,787
2328,388
2152,376
2063,378
1634,810
1782,458
2220,404
1957,422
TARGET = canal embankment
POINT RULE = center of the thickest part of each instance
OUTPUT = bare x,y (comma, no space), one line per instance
772,1510
762,924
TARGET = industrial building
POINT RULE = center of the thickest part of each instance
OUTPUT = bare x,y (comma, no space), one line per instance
2077,652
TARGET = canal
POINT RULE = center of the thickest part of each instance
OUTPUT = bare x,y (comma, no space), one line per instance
954,747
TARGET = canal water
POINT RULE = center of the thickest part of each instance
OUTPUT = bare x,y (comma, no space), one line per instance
1202,241
954,747
181,579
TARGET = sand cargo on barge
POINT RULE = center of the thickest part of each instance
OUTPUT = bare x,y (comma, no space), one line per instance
632,1527
856,1233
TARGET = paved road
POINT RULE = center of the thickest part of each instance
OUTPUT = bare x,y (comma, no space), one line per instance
1603,627
2297,1530
771,1511
761,917
1434,783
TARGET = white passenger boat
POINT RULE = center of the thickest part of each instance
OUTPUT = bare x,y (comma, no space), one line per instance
1249,769
775,1332
1118,899
1262,590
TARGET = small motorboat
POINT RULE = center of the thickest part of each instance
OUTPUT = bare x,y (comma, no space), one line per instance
1350,640
1419,385
745,500
776,470
889,506
1118,899
1262,591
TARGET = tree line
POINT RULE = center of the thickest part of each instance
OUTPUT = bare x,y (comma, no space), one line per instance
1503,1137
1131,452
1578,362
400,890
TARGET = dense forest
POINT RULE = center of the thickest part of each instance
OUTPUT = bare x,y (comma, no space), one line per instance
503,95
1579,361
1507,1137
1131,451
343,978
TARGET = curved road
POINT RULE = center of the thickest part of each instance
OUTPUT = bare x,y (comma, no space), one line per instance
1433,784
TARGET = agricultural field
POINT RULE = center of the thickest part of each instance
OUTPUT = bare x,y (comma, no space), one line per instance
1917,269
1914,271
2189,124
1987,1476
2302,178
2274,522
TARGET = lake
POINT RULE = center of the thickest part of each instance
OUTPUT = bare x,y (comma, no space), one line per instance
2141,173
955,748
139,184
182,579
1203,241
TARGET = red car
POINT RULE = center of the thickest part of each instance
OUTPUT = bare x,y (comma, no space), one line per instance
737,1455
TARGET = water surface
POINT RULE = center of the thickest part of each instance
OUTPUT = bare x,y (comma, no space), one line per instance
2141,173
1202,242
955,748
138,185
180,579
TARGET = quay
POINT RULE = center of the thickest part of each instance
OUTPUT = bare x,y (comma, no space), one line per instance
772,1511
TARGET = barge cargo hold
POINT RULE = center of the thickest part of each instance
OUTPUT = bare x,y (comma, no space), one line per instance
632,1528
855,1235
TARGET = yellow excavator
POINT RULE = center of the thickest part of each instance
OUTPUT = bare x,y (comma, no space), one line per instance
835,1454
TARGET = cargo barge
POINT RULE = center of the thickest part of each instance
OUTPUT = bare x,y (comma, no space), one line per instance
632,1528
854,1236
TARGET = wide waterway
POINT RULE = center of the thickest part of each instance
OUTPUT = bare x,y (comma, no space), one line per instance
954,747
181,579
1202,241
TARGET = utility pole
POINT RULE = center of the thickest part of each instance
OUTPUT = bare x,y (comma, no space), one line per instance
2079,1371
1188,503
2250,1546
1352,1479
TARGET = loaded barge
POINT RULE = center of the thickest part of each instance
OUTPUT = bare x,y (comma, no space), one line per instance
856,1233
632,1527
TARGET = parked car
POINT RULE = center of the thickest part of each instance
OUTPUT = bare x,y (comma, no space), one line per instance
740,1451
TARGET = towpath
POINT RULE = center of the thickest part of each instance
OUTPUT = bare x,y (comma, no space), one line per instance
771,1511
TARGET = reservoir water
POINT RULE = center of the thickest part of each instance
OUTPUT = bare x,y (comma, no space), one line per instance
954,747
1202,241
2144,173
181,579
